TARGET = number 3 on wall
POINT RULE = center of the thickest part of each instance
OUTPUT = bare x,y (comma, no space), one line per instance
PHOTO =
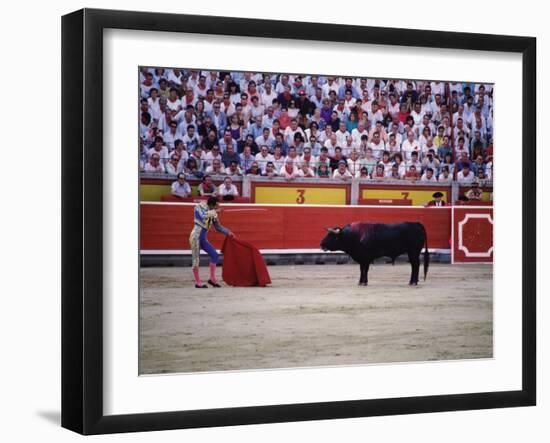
301,196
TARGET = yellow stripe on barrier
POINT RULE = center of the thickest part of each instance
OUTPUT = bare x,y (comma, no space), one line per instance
300,195
418,197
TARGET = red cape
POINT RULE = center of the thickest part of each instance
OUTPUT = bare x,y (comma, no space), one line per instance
243,265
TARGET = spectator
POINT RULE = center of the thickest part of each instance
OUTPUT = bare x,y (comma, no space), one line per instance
270,170
428,176
172,135
192,168
210,140
263,157
377,145
256,130
410,145
323,171
235,129
448,162
478,166
305,171
214,154
142,155
180,188
306,157
363,174
191,114
172,165
265,138
233,170
386,162
431,161
227,190
159,149
393,173
230,156
379,173
254,169
218,117
207,187
475,193
227,140
249,141
217,168
465,176
354,163
341,172
412,173
289,170
444,175
154,165
401,168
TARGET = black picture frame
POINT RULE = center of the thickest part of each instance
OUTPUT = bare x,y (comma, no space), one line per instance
82,216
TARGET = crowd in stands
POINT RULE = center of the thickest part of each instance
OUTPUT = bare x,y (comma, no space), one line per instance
209,123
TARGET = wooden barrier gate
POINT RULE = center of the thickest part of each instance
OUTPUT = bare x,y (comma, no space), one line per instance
472,233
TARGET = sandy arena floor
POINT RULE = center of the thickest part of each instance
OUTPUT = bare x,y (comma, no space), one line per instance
314,315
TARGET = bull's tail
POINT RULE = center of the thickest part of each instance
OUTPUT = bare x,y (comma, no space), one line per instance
426,254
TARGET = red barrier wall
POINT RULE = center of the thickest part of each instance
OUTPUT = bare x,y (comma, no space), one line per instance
167,226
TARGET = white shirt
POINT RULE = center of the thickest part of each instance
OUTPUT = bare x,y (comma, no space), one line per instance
150,168
393,109
327,88
424,178
179,188
462,179
267,99
417,117
210,170
163,153
376,117
172,77
337,174
283,172
154,106
173,105
289,134
262,161
210,157
328,144
408,147
356,134
341,137
301,173
312,161
354,166
229,110
377,149
222,190
358,175
416,164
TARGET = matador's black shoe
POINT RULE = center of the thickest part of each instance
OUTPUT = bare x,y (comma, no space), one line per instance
203,286
216,285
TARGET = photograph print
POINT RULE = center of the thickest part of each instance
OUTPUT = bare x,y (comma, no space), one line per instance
295,220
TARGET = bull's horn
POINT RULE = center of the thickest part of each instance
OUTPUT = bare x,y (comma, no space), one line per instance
333,230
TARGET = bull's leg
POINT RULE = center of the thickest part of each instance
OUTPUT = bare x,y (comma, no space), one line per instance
366,274
415,267
363,274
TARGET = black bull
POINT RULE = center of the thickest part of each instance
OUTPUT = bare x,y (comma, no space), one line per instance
365,242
